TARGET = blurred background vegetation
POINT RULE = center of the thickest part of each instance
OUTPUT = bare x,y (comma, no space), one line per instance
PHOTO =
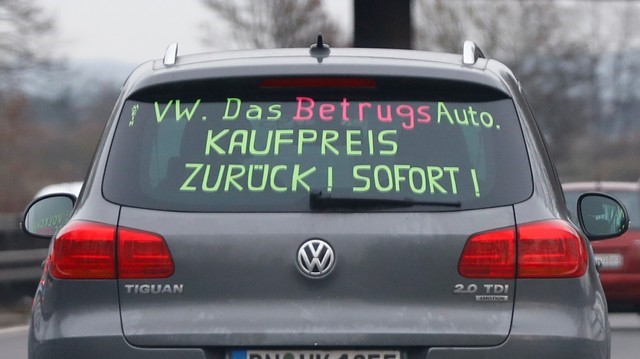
578,62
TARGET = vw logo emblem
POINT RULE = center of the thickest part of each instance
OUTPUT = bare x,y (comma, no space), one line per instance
316,258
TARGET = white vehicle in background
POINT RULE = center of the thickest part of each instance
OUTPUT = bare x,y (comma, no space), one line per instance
65,187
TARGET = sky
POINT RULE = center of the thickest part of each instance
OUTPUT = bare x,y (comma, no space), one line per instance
134,31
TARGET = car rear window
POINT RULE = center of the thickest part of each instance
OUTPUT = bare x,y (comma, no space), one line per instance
272,144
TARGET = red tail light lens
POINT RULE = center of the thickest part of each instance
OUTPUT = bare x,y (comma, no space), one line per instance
551,249
84,250
546,249
87,250
489,255
143,255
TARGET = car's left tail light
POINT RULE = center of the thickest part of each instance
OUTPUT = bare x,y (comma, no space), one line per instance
84,250
87,250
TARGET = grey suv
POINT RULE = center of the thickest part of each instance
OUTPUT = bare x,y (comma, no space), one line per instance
321,204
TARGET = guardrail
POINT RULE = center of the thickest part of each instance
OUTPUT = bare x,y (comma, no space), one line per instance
21,256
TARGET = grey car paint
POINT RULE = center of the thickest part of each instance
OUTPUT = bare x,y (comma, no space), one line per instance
397,294
393,283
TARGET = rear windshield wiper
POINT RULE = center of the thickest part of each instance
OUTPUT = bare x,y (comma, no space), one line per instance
321,201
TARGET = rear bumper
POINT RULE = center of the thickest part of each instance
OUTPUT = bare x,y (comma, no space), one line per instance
563,339
527,347
518,346
105,347
574,326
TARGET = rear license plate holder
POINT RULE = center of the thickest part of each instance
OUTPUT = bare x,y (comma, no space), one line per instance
314,354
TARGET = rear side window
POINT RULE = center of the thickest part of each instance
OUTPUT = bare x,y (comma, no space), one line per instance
268,145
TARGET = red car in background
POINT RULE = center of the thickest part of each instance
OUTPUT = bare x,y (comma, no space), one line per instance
619,258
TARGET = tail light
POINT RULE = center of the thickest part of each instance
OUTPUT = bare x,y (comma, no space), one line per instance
546,249
84,250
551,249
143,255
87,250
490,255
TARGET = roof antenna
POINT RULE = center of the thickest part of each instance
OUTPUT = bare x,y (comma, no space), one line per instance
320,50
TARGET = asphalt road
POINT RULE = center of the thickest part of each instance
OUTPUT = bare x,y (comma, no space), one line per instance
625,338
13,343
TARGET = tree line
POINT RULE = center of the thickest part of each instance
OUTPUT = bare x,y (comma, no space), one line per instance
577,61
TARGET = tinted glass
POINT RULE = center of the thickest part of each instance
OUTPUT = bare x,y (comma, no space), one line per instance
266,145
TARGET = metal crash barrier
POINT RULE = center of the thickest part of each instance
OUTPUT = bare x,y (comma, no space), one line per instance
21,256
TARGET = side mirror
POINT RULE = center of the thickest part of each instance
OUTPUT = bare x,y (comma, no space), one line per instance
45,215
602,216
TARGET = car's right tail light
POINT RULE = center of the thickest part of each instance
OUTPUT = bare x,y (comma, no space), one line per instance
551,249
87,250
545,249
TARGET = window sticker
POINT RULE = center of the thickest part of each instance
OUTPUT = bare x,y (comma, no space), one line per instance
241,150
236,134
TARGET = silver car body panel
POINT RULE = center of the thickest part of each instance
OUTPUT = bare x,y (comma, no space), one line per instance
395,275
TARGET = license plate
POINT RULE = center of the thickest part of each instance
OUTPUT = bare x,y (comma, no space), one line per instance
315,354
609,261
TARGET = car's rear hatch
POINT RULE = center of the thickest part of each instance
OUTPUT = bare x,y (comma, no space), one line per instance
395,281
395,174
